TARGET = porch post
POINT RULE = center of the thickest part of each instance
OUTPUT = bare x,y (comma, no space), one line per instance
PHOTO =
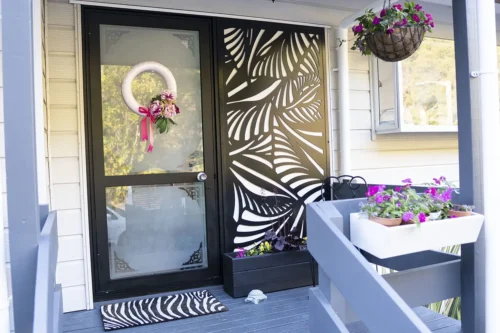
479,156
21,161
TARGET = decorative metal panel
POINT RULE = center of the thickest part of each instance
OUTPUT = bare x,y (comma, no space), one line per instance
274,127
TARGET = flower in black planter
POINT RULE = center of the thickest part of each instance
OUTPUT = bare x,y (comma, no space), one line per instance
280,243
275,243
270,235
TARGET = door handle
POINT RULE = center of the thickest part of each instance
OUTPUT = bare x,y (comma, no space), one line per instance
201,177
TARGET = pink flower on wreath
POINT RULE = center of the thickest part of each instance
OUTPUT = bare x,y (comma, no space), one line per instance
383,12
389,31
398,7
418,7
416,18
170,110
167,96
376,20
155,108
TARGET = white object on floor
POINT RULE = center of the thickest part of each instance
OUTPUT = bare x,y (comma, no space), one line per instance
255,296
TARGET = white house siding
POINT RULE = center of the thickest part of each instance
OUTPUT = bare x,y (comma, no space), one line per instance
65,155
387,159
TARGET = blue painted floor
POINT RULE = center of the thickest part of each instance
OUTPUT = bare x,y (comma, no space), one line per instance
284,311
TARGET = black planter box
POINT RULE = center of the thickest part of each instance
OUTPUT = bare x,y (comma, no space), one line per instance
267,272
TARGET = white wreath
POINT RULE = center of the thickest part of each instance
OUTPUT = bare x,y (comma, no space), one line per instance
138,69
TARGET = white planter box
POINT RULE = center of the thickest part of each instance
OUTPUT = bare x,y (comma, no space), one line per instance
385,242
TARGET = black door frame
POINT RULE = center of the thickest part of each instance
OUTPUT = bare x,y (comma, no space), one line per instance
104,287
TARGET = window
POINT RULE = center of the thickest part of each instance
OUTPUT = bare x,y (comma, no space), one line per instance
418,94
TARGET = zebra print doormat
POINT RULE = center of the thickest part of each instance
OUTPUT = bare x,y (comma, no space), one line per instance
159,310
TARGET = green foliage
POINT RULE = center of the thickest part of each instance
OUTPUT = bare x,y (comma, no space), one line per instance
163,124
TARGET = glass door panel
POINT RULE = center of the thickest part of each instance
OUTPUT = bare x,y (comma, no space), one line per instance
156,229
179,150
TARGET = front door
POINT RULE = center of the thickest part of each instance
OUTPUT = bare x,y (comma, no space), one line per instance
152,171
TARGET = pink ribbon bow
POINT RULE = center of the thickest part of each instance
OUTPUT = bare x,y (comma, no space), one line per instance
147,132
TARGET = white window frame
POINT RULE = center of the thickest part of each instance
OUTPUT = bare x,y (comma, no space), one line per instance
398,125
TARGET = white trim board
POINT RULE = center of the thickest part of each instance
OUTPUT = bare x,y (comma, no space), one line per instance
193,12
87,249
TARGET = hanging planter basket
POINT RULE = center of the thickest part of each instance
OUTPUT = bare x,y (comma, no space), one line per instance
397,46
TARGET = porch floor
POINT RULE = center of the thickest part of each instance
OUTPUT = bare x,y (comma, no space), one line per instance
284,311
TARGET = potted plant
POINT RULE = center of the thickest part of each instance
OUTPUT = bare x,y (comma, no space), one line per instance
278,263
427,221
460,211
393,207
438,198
394,34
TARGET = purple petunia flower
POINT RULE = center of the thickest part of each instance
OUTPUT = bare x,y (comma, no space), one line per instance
357,29
432,191
407,181
422,218
408,216
383,12
442,178
416,18
398,204
398,7
398,189
376,20
447,194
418,7
379,198
241,252
429,17
387,197
437,181
431,24
389,31
401,23
372,190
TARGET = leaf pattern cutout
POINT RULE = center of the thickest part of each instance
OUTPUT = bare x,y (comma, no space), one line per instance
274,109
